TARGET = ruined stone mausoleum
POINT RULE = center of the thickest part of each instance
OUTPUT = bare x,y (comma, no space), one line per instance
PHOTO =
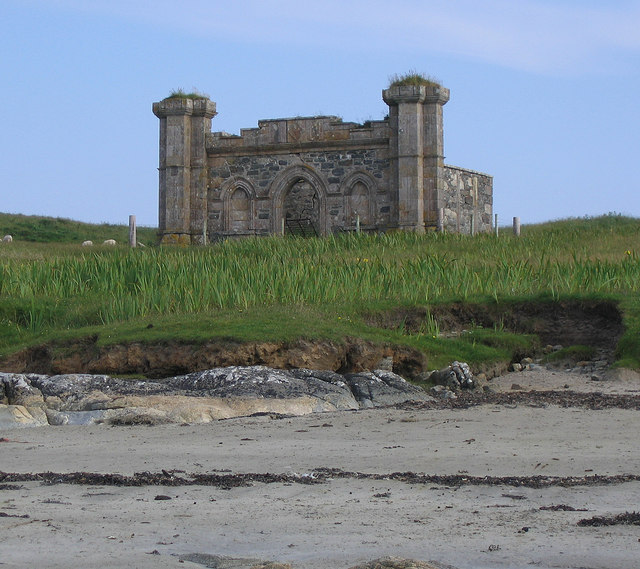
315,175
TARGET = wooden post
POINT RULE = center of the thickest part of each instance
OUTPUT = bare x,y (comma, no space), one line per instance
516,226
204,231
133,239
473,224
496,224
440,226
357,223
282,229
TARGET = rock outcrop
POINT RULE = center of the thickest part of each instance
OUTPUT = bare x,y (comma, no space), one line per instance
200,397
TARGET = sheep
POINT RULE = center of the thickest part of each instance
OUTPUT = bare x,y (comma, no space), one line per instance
87,243
109,242
7,239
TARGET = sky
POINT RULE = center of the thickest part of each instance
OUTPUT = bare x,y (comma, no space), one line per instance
545,94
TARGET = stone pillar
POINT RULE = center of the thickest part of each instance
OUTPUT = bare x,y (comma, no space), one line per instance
182,165
434,181
415,119
406,122
203,111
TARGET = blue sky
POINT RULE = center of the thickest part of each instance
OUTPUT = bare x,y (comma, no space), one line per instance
545,94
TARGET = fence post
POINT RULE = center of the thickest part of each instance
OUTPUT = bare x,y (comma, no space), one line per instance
496,224
473,224
133,240
516,226
358,223
282,228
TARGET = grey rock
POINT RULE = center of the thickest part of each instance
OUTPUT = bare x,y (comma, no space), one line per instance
379,387
455,377
400,563
226,562
59,418
18,416
442,392
17,389
81,399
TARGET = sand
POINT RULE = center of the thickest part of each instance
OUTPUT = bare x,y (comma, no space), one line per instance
344,520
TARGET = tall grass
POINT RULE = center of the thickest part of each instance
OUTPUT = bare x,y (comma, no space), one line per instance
104,287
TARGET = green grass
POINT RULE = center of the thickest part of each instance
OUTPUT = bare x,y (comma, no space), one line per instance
37,229
413,78
182,94
282,289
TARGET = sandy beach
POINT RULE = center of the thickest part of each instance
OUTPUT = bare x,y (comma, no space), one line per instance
550,468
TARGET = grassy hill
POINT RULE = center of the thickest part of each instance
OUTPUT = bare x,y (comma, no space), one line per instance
37,229
283,289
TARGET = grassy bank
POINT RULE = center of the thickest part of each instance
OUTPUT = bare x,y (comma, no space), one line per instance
282,289
49,230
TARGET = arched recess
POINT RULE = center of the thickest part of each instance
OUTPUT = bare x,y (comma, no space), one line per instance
311,187
359,190
238,199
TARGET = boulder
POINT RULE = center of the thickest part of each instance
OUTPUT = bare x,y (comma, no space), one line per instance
380,387
455,377
16,416
18,390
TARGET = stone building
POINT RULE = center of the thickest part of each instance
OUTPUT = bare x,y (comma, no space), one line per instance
315,175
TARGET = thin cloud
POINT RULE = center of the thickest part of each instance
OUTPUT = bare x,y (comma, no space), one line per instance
532,35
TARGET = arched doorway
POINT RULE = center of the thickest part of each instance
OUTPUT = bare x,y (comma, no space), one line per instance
299,192
301,209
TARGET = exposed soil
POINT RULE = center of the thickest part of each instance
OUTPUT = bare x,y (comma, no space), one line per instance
594,323
597,324
175,358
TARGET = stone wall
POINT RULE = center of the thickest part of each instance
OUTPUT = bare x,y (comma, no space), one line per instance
467,193
332,186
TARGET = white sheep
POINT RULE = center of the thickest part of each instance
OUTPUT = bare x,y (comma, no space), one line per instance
87,243
109,242
7,239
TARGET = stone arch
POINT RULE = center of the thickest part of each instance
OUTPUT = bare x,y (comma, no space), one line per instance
238,199
359,190
284,182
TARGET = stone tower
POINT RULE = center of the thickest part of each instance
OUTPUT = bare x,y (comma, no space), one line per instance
184,123
417,152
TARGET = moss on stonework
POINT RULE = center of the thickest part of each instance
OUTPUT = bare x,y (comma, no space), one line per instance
182,94
413,78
